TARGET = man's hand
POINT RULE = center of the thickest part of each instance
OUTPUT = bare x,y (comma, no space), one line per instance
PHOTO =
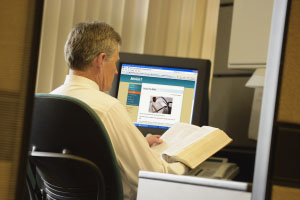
153,139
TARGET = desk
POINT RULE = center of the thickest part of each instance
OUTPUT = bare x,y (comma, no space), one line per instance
159,186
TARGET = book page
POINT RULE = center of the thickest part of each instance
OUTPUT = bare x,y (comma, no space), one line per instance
180,136
191,144
187,140
170,138
202,149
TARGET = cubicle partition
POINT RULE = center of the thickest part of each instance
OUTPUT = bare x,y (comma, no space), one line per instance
261,184
20,23
166,186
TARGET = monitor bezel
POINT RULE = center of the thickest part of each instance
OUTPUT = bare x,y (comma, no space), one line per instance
200,110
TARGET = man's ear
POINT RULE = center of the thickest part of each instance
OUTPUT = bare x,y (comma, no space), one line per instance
100,59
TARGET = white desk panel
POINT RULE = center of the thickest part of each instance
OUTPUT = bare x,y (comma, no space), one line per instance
161,186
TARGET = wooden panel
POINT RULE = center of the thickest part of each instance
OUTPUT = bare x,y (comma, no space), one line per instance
5,169
289,100
286,160
20,22
286,193
12,45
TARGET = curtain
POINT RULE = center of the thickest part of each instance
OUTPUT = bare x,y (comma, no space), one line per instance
183,28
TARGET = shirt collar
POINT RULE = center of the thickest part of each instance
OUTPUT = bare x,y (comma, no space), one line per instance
80,80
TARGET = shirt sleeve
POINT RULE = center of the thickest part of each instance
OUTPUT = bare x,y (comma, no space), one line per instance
132,149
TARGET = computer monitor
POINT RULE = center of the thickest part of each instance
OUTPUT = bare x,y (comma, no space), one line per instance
158,91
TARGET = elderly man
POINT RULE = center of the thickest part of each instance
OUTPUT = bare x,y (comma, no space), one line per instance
91,52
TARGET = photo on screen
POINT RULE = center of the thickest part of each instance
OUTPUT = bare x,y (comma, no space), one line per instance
159,104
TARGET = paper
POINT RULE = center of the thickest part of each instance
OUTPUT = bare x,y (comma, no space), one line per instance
257,79
255,114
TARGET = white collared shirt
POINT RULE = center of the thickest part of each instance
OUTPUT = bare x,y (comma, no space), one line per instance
131,148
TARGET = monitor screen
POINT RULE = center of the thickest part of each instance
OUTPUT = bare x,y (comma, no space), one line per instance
157,97
159,91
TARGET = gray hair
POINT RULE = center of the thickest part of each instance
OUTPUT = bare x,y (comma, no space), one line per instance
87,40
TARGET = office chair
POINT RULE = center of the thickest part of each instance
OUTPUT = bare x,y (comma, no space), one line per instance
71,154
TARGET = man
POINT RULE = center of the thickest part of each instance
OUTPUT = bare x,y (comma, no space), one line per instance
91,52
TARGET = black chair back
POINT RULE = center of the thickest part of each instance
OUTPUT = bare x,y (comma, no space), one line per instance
72,153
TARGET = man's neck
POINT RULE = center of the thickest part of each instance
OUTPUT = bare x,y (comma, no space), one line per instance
87,74
80,73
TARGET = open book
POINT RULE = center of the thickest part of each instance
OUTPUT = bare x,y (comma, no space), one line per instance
191,144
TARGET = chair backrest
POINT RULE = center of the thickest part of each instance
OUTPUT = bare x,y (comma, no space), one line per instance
62,123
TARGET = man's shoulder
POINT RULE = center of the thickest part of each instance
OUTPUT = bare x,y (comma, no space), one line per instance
104,97
58,90
100,101
96,99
